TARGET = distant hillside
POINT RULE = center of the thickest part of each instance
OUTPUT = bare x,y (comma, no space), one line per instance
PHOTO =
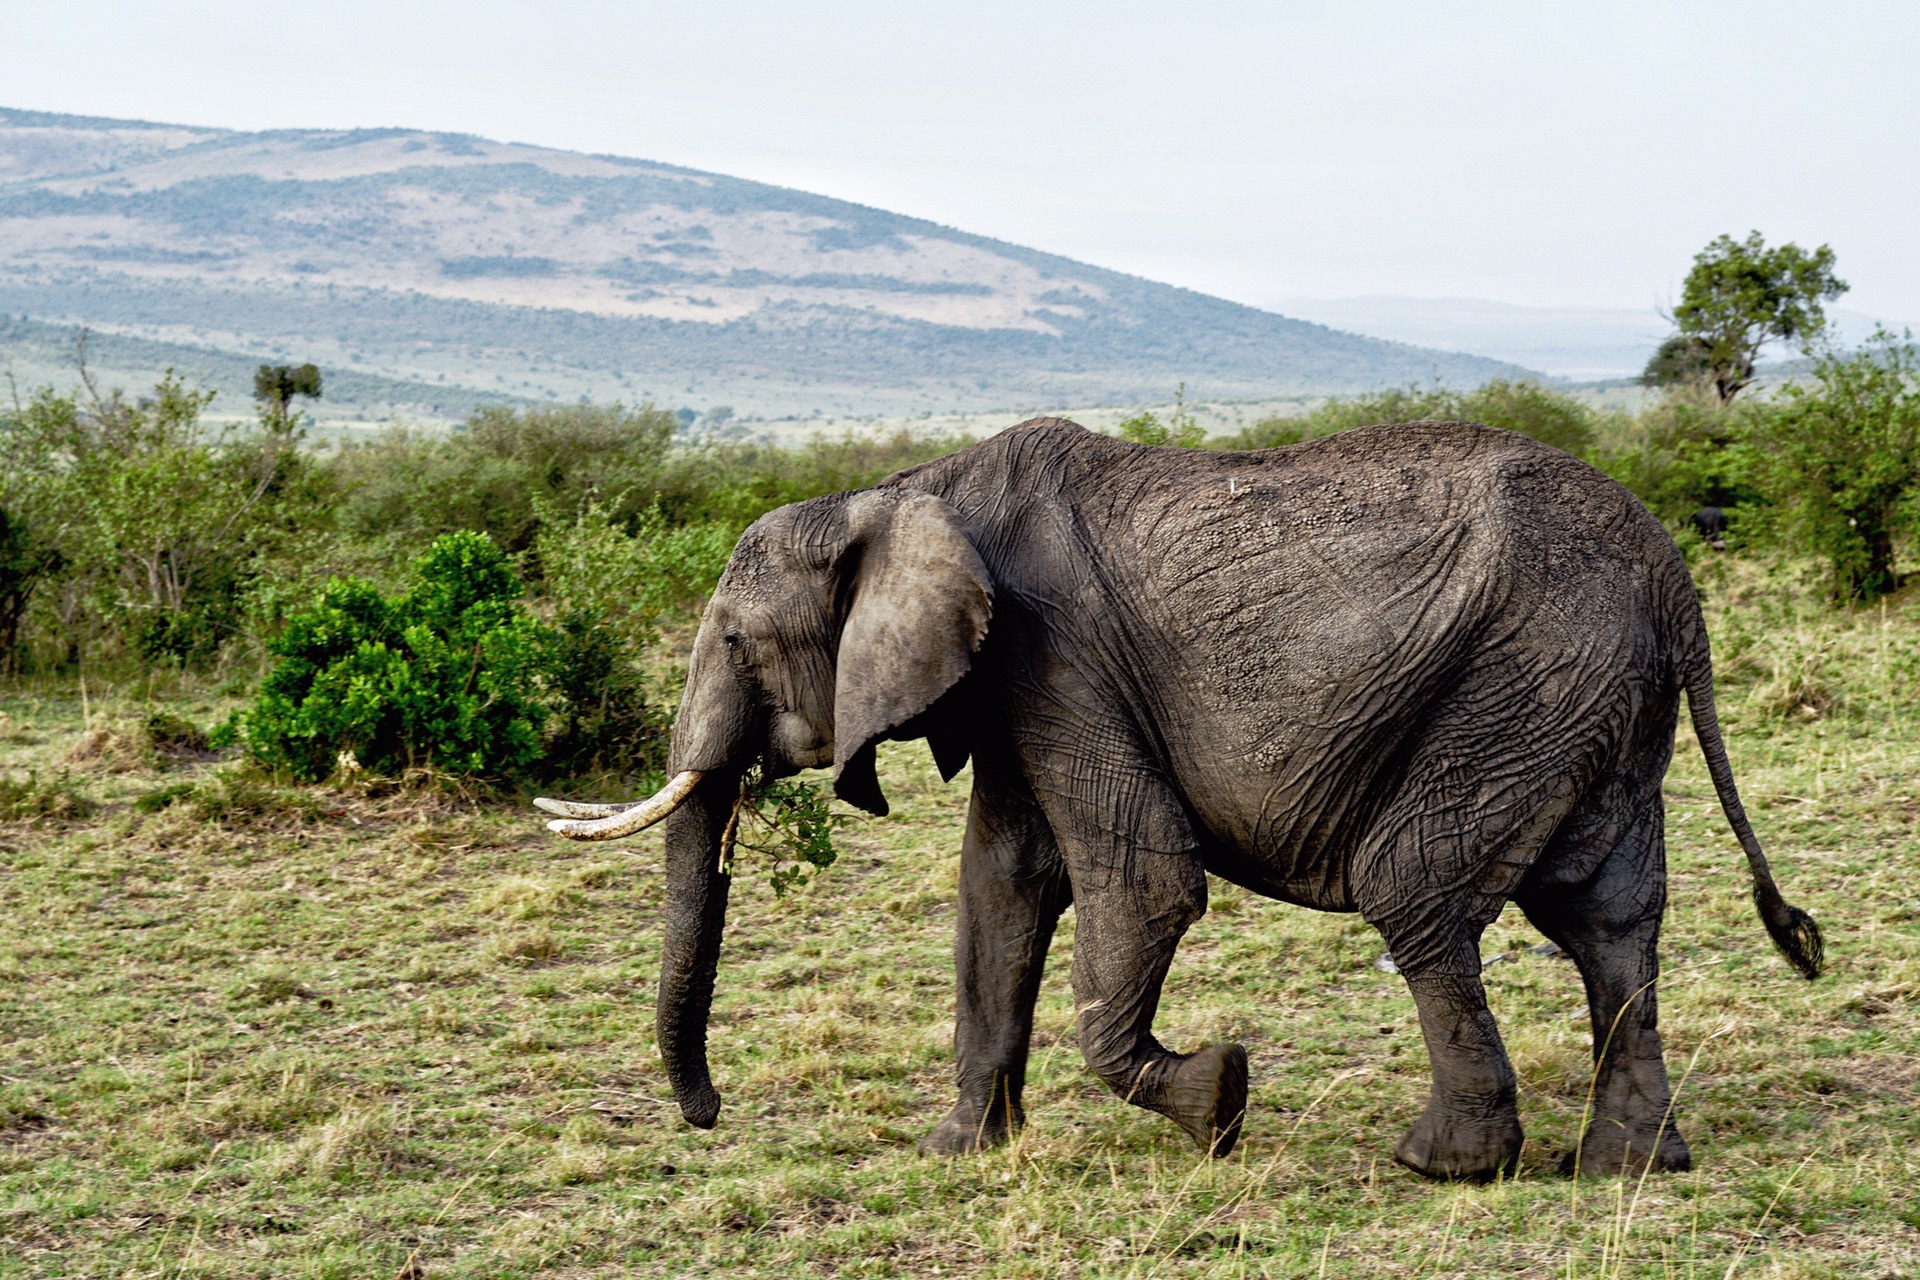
35,354
452,266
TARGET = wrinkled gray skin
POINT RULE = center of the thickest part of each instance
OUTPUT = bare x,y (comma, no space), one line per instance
1414,672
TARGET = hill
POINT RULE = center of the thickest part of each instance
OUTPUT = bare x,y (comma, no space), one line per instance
452,266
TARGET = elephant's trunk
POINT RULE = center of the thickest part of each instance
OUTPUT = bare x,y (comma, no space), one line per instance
695,915
715,736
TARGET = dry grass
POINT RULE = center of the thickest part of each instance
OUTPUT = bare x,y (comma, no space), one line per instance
266,1032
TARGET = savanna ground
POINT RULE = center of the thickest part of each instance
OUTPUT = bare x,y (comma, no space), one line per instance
331,1032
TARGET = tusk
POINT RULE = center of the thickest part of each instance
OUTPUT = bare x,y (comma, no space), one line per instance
624,820
574,809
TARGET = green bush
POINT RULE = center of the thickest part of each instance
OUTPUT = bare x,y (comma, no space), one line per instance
1840,459
609,590
736,484
1268,433
1689,452
503,470
149,527
1526,407
626,577
1181,430
448,676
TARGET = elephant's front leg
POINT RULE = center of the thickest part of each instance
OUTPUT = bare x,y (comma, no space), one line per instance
1012,891
1130,919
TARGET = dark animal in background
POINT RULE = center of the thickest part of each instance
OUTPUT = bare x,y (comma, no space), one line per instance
1711,523
1414,672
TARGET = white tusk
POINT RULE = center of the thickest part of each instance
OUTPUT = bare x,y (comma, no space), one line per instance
624,820
574,809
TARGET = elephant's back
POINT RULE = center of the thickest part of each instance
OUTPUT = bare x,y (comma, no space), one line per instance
1306,613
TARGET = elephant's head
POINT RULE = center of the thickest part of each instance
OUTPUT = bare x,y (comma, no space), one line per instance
838,623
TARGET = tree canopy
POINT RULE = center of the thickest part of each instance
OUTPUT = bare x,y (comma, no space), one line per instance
275,386
1739,296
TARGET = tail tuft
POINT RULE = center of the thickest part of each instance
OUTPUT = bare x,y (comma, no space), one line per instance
1792,929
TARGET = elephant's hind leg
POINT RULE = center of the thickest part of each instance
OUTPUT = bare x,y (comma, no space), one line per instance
1470,1130
1437,870
1013,888
1610,924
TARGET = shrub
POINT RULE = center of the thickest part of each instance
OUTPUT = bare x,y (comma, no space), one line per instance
1181,430
1689,453
25,562
446,676
609,590
1268,433
151,527
626,578
603,721
453,675
1526,407
735,484
1841,457
499,474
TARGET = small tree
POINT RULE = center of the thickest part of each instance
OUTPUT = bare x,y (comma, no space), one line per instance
276,385
1739,296
1843,457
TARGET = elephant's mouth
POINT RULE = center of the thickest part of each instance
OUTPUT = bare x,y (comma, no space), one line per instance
795,743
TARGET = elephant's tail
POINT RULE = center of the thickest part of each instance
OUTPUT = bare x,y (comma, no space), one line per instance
1792,929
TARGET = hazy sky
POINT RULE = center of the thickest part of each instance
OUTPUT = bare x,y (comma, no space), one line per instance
1532,152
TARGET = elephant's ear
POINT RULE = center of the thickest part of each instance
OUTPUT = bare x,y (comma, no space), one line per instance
917,601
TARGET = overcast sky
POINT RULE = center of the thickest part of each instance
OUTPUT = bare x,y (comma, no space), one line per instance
1533,153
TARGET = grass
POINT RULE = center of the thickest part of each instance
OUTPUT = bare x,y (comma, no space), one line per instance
264,1031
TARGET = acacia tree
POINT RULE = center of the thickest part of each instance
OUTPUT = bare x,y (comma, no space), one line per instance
276,385
1739,296
1843,455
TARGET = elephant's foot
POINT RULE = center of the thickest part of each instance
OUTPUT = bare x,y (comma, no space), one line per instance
1451,1148
968,1129
1206,1095
1612,1149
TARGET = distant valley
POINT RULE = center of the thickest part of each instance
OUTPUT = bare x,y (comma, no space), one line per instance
429,272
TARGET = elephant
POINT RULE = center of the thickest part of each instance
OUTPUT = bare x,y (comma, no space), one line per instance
1412,671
